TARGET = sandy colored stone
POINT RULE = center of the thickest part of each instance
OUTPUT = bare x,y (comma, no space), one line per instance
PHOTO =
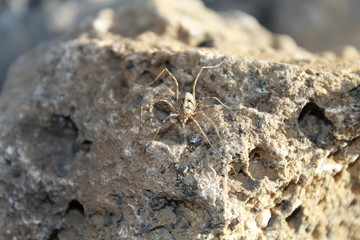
79,161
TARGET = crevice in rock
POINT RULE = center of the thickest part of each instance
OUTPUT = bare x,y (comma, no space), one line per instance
353,202
355,92
75,205
337,177
54,234
283,206
262,164
85,145
233,224
316,234
295,219
314,124
291,186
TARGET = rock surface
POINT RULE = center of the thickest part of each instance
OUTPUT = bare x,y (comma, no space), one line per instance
79,157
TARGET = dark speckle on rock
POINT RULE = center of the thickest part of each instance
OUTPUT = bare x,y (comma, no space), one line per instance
108,219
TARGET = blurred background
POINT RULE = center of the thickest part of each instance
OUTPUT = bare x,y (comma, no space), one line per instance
317,25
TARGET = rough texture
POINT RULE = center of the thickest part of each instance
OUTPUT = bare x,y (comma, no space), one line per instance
79,161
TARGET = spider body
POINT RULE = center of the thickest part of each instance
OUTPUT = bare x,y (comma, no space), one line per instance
186,108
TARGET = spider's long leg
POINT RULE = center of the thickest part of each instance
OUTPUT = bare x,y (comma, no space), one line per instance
156,133
172,115
215,98
173,77
199,73
211,121
202,132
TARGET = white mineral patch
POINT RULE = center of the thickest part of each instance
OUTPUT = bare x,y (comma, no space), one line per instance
9,150
127,152
296,204
263,218
336,110
252,226
325,166
134,129
353,157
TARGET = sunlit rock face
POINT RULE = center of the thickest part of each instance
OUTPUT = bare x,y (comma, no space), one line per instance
265,145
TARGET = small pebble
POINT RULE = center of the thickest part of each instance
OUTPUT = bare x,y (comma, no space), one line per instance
263,218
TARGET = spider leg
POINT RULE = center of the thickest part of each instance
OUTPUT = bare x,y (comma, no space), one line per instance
215,98
172,76
199,73
156,133
202,132
172,115
211,121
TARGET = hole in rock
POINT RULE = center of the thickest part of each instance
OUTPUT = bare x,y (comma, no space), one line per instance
75,205
169,65
314,124
317,232
338,175
294,220
291,186
355,92
262,162
130,64
52,140
54,234
85,145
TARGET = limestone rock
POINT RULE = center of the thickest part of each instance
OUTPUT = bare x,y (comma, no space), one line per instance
78,117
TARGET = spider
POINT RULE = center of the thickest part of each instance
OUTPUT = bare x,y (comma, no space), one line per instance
185,109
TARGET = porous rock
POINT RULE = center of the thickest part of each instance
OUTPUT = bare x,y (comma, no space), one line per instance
79,159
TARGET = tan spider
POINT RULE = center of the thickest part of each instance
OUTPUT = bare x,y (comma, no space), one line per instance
185,109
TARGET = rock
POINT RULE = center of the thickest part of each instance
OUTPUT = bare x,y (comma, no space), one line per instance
80,158
263,218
